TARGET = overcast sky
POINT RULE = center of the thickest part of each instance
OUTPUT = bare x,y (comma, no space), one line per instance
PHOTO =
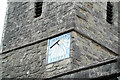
3,6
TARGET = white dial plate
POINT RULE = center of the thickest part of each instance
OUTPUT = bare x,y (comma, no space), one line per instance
59,48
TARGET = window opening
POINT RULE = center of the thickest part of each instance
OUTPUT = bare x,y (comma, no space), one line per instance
109,18
38,9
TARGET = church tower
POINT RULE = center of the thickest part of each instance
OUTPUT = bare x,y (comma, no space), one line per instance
61,40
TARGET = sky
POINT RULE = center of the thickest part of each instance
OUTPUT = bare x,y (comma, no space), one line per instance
3,6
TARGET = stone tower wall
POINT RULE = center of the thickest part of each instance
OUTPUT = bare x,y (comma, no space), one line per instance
94,43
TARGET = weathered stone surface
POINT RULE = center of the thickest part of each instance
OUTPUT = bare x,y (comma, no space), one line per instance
28,37
89,50
97,28
58,67
23,28
100,71
25,61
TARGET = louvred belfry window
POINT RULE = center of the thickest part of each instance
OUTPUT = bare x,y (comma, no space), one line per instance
38,9
109,17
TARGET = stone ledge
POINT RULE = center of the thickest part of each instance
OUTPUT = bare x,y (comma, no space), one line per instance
84,68
40,40
51,36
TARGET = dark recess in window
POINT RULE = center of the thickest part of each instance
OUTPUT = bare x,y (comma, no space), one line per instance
109,18
38,9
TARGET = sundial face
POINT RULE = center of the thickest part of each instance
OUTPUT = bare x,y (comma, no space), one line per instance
58,48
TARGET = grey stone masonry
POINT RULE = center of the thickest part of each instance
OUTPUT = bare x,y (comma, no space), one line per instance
93,48
22,28
86,52
94,24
